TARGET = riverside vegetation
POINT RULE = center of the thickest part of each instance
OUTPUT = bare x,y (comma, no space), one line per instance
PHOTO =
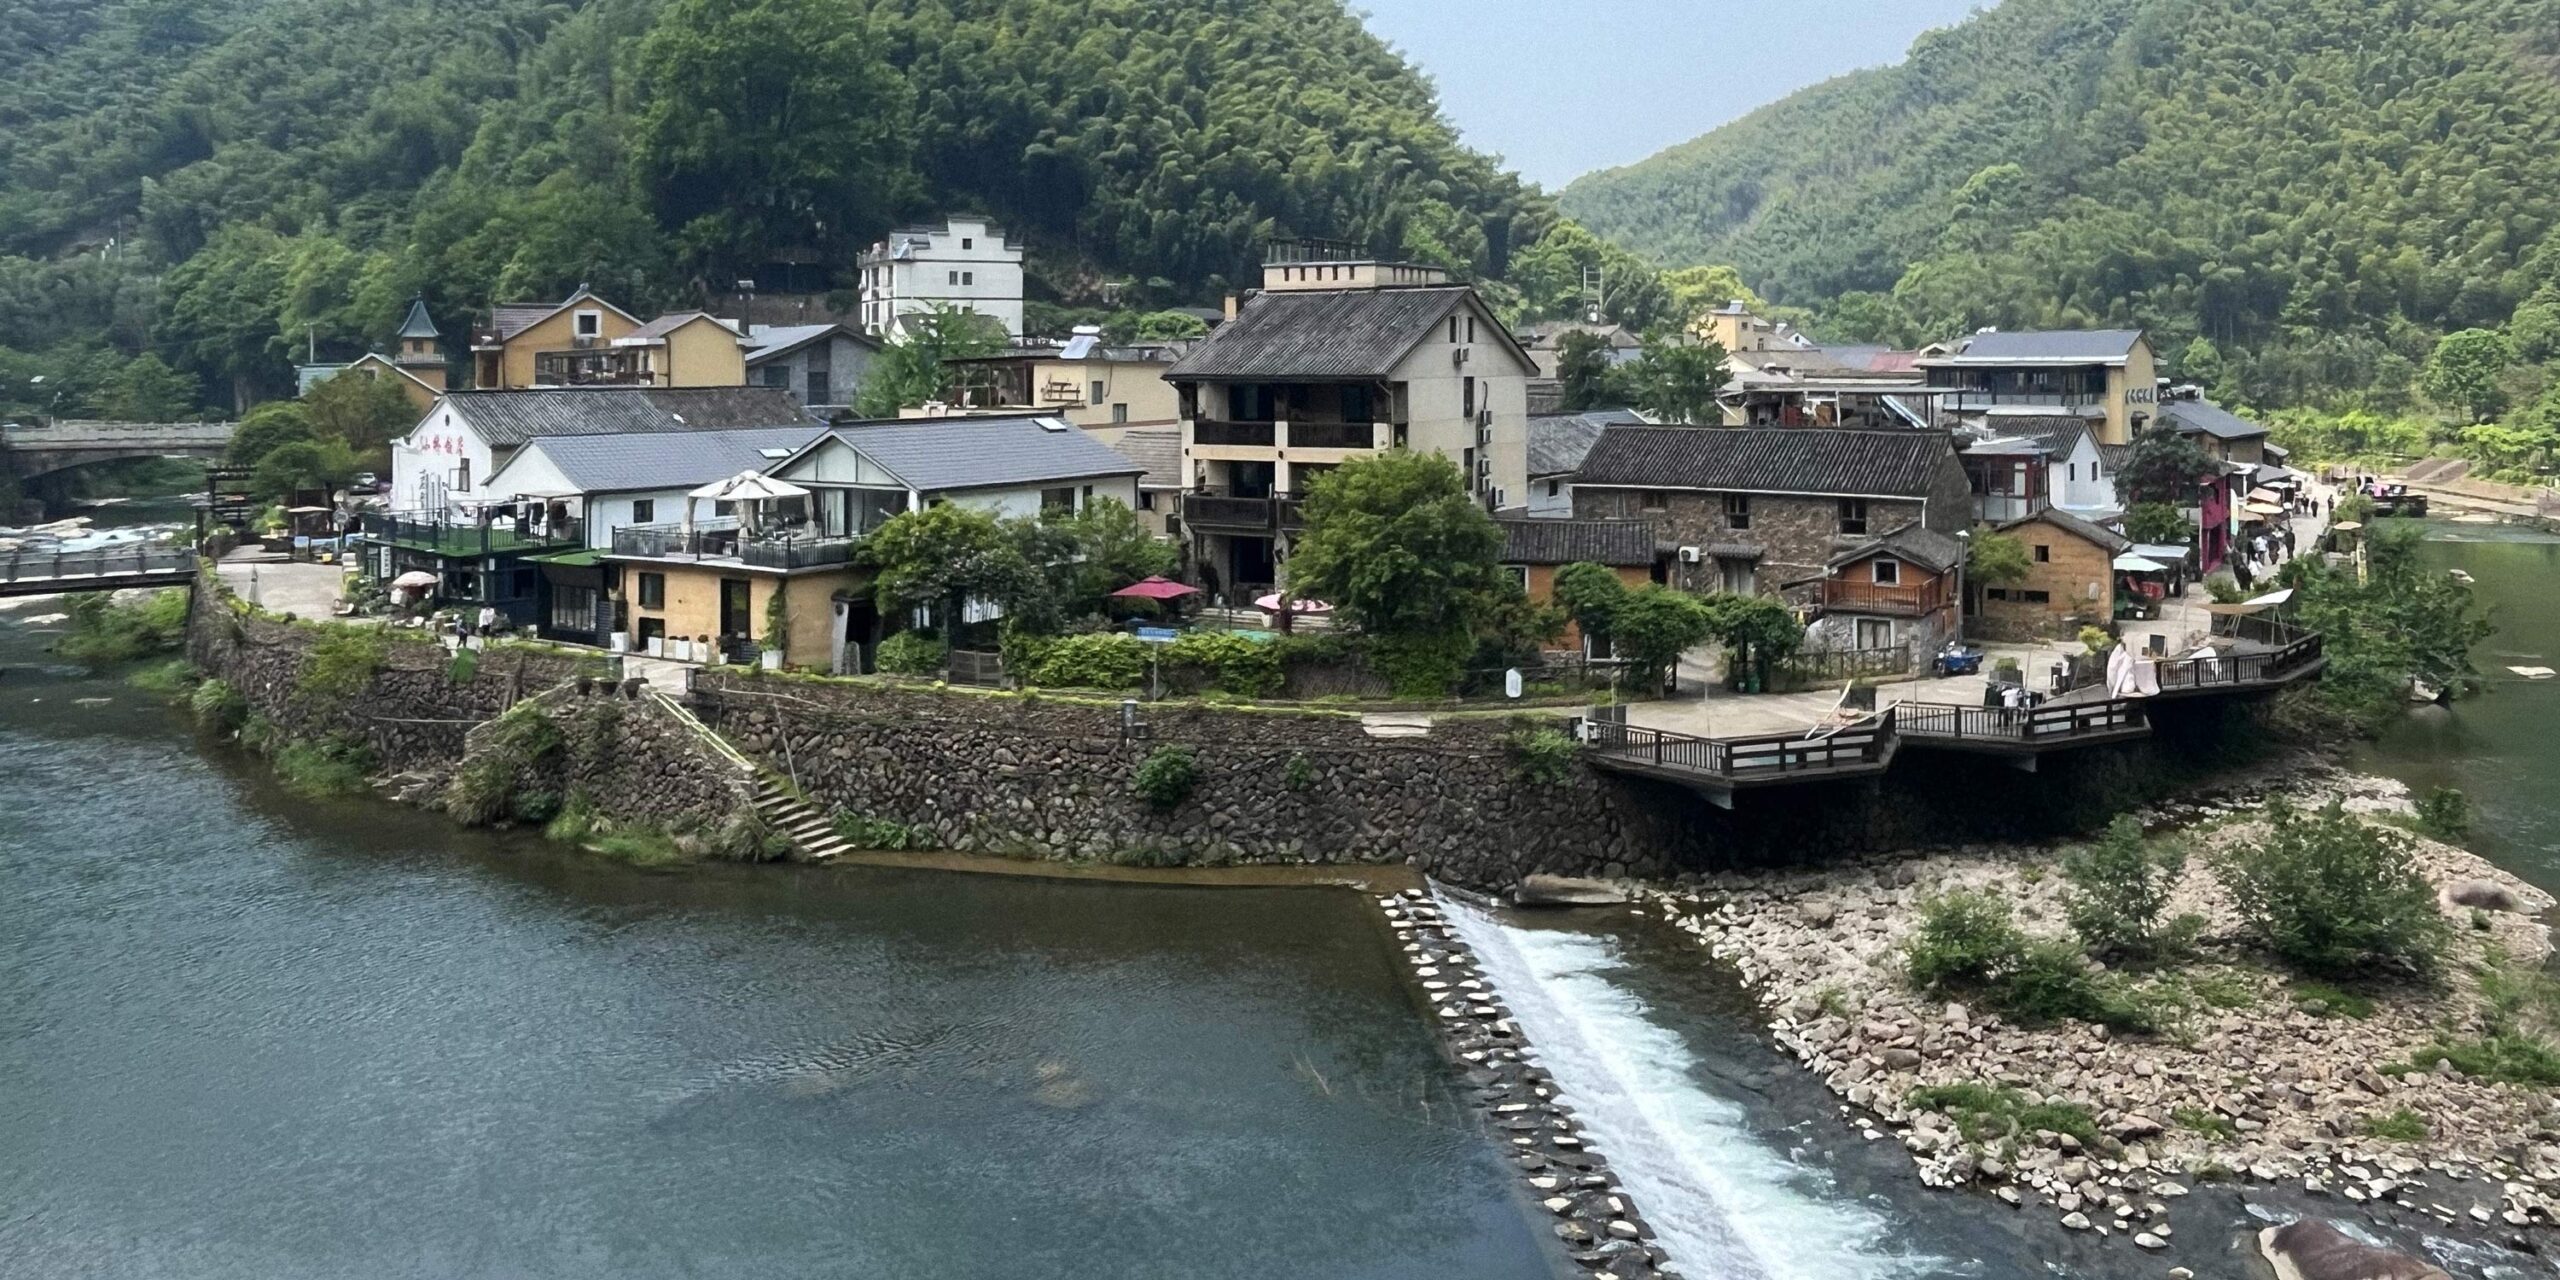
2318,996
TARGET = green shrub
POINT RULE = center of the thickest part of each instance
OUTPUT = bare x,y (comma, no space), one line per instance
750,836
2335,895
1236,665
1964,939
2209,1123
2445,813
2509,1057
329,767
912,653
533,806
219,707
168,678
1542,755
518,750
1967,943
105,633
575,821
1424,667
2403,1125
465,664
638,848
1165,778
1301,773
2321,1000
864,831
1102,660
2120,886
338,666
1986,1114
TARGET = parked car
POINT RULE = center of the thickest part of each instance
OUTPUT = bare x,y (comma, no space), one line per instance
366,482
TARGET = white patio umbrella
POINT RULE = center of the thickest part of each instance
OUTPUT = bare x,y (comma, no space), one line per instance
746,486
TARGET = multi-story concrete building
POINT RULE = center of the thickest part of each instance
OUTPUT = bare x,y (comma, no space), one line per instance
1087,381
585,341
965,264
1335,359
2107,377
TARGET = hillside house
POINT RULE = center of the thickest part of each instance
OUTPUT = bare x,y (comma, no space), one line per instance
966,264
586,341
1901,591
418,368
1085,380
823,363
1558,442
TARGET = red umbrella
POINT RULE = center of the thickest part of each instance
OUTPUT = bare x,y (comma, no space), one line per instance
1155,589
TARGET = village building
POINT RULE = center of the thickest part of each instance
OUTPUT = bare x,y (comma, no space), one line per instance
824,364
1781,378
2108,378
1157,452
1558,442
1544,341
1089,382
1533,549
706,586
436,469
418,368
2023,463
2070,581
1336,359
1755,509
1903,591
586,341
2240,452
966,265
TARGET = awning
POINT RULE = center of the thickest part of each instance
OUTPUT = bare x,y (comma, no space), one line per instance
2262,509
2242,609
2270,598
2137,564
2265,495
1734,551
2165,552
1271,604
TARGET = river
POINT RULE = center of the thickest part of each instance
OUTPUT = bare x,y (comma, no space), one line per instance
247,1035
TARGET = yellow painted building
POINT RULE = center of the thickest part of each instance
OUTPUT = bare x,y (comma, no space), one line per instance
587,341
717,603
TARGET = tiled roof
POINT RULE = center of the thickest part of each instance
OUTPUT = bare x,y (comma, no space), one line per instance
1158,452
769,341
940,454
663,459
1767,460
1609,542
2113,541
2058,435
516,317
1349,333
2209,418
1916,543
669,323
2091,346
1558,441
418,324
509,418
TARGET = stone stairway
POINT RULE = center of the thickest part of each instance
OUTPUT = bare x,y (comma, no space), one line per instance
813,836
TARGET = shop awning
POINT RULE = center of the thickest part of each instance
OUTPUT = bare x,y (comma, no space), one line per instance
2138,564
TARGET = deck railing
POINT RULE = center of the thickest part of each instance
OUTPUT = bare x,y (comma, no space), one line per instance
1255,435
1914,600
1864,743
2053,722
425,533
2227,670
129,560
723,540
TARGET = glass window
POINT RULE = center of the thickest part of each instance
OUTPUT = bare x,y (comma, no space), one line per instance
968,242
1737,511
1146,500
644,511
590,323
1094,392
1467,397
777,375
1654,500
817,389
462,475
1888,573
1119,413
653,591
2044,554
1875,633
1471,328
1853,515
573,608
723,508
1061,499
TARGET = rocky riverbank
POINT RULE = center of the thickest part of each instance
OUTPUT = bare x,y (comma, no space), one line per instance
2258,1078
1593,1215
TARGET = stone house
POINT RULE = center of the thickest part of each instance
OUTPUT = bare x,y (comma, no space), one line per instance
1533,549
1753,509
966,264
1901,591
2070,578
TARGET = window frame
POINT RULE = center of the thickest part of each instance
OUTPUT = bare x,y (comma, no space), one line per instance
1653,499
651,590
644,511
1737,512
1885,571
1854,518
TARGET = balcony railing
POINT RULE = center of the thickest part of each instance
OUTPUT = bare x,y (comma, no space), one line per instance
1252,435
1998,508
1212,508
422,532
1911,600
723,541
1332,435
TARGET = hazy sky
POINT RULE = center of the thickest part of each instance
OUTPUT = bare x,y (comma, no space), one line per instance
1562,87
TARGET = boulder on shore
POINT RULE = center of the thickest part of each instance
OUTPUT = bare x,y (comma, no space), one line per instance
2487,895
2314,1250
1565,891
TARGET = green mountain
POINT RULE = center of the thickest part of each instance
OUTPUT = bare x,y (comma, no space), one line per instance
218,184
2320,188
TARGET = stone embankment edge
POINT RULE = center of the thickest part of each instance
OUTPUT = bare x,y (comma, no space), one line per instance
1593,1216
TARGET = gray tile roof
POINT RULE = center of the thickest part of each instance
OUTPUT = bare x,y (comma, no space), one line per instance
2209,418
509,418
1351,333
664,459
418,324
944,454
1609,542
1916,543
1158,453
1768,460
2115,543
772,340
2057,435
2093,346
669,323
1558,441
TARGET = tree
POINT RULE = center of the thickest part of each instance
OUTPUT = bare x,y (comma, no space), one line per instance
2158,524
769,125
148,390
1653,625
1396,543
942,557
1588,378
917,368
1099,550
1678,382
1996,559
1695,291
2162,466
1551,275
1590,594
302,464
2201,364
362,412
2535,329
271,425
2463,372
1170,326
1754,630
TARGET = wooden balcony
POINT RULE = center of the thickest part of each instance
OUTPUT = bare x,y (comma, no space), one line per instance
1717,767
1911,600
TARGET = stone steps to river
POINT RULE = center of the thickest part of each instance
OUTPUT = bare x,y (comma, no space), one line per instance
812,834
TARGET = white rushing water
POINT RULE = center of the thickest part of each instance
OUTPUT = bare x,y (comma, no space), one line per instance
1723,1203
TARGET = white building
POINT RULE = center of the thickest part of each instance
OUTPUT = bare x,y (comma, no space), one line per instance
626,481
440,469
965,264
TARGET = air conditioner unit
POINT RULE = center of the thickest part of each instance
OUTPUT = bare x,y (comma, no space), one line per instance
1484,417
1459,356
1690,555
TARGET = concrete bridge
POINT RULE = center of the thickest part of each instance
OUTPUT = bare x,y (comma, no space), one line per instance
47,573
30,452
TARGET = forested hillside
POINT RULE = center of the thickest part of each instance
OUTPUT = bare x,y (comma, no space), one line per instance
206,186
2318,188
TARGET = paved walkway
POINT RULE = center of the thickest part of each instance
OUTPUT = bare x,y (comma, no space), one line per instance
282,586
2183,624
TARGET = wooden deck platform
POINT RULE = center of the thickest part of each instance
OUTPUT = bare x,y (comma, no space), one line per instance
1718,767
2021,737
